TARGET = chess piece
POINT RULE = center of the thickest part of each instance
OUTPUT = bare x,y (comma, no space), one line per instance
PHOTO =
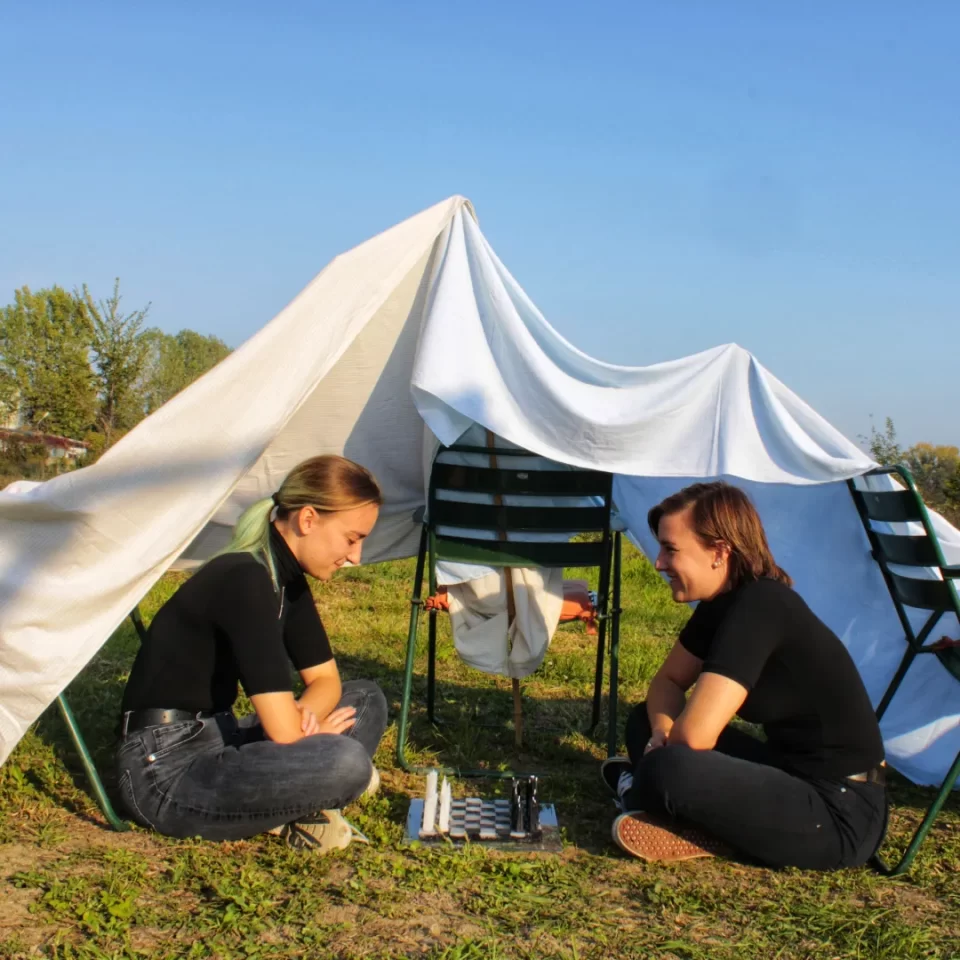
515,815
443,823
533,809
519,813
429,825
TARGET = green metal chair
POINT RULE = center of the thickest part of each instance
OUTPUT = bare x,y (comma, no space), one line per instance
937,596
502,535
89,767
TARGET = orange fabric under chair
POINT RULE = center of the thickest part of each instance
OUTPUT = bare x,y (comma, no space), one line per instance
578,604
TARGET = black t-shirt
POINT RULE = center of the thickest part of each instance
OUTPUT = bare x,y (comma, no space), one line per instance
803,685
226,624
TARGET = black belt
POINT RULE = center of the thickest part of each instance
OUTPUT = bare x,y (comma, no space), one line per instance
134,720
876,775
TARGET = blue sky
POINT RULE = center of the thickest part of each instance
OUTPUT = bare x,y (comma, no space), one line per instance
660,177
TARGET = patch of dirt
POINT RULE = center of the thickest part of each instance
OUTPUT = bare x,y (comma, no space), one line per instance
424,920
15,917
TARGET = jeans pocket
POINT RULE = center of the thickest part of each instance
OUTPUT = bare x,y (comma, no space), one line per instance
169,738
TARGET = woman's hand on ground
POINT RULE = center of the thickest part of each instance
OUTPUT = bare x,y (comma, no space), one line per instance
340,721
657,739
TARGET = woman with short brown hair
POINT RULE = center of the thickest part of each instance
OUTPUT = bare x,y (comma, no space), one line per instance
811,795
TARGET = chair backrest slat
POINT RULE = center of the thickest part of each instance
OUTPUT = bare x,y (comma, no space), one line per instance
907,551
524,553
893,506
924,594
544,483
492,517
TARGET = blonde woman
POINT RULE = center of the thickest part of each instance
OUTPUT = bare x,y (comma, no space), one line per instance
187,766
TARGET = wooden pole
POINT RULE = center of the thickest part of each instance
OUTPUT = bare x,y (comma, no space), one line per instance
511,610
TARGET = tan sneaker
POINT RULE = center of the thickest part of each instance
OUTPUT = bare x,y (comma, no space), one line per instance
641,836
374,785
320,833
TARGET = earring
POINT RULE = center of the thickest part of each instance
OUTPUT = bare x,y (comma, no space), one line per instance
716,563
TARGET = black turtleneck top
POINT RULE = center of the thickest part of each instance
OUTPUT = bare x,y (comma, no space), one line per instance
227,624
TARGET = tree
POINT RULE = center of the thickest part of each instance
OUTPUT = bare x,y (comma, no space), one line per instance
44,360
119,354
174,362
935,468
883,447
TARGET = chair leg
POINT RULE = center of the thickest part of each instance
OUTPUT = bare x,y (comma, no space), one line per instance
924,828
603,595
896,681
415,603
103,801
138,623
598,674
431,665
612,729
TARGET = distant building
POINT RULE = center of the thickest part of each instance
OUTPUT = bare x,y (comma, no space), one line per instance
57,447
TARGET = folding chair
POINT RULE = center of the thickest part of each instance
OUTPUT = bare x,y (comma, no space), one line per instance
938,596
89,767
500,535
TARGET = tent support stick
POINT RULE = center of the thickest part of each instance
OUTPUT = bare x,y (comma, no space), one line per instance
91,771
415,603
612,730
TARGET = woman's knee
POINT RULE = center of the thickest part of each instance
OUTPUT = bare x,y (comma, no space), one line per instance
371,706
368,690
341,761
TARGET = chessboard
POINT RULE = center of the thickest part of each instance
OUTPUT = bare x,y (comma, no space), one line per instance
487,821
479,819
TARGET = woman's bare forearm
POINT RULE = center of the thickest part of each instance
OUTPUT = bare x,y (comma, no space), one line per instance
665,702
321,696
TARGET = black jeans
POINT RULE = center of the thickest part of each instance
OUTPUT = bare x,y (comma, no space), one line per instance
739,793
222,779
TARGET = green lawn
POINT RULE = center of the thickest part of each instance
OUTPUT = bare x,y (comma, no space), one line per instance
69,887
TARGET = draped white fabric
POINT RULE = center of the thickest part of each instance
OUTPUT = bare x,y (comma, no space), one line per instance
413,336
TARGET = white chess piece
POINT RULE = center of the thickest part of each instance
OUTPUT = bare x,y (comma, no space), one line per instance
428,827
445,799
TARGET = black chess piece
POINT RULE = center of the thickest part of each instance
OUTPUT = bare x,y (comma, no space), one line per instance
533,809
516,814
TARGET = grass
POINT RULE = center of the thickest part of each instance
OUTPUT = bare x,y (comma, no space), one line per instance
70,888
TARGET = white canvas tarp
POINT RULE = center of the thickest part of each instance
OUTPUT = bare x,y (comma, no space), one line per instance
422,327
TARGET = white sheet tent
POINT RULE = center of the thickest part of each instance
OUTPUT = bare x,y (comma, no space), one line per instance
408,338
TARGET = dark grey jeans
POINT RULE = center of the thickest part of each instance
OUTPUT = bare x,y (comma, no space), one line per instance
221,779
740,793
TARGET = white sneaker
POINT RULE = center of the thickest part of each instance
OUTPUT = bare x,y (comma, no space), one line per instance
374,785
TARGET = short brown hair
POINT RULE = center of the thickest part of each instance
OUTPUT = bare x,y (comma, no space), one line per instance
723,513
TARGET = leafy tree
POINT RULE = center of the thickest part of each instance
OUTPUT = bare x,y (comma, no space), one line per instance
883,447
174,362
935,468
119,355
44,360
